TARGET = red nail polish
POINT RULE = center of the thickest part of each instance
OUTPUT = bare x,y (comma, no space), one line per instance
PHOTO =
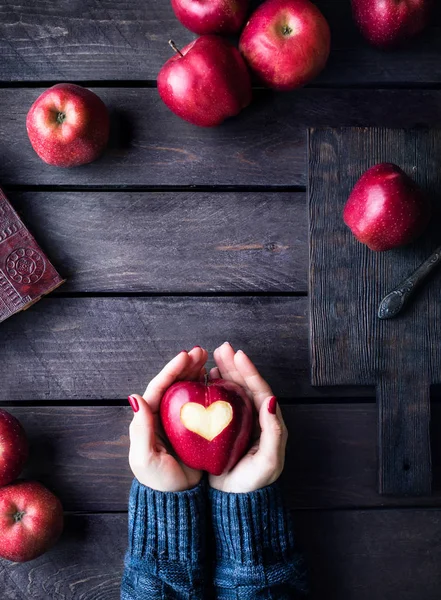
272,405
195,347
133,403
184,351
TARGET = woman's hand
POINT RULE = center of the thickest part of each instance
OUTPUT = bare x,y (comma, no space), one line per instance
264,461
151,457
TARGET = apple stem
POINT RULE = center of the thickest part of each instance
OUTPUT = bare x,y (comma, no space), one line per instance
18,516
175,48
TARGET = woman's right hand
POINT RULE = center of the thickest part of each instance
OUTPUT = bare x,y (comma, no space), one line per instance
151,457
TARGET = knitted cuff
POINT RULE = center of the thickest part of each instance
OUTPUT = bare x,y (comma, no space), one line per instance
166,526
251,528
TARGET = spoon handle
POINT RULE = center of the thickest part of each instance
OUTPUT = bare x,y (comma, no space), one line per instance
396,300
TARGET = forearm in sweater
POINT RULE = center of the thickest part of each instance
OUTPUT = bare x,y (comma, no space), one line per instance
166,545
256,556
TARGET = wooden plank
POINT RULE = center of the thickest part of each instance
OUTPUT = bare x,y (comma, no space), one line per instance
103,348
92,348
86,563
43,40
82,454
150,146
347,285
351,555
360,555
172,242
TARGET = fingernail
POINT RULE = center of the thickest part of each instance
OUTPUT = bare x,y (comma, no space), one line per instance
184,351
195,347
272,405
133,403
226,343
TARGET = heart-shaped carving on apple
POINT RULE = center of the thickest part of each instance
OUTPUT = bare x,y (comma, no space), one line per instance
208,424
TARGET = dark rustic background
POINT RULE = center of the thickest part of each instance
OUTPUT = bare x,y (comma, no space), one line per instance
349,343
180,236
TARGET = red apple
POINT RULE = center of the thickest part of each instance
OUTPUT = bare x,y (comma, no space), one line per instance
286,43
387,23
211,16
386,208
208,425
31,520
13,448
68,125
205,82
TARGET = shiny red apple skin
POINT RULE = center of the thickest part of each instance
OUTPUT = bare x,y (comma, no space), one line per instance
388,23
13,448
83,134
206,85
286,43
386,208
31,520
225,450
211,16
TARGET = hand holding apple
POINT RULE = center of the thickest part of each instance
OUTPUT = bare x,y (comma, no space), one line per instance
68,125
31,520
264,461
151,457
215,16
206,82
386,208
13,448
286,43
387,23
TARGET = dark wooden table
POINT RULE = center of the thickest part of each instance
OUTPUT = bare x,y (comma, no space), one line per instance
181,236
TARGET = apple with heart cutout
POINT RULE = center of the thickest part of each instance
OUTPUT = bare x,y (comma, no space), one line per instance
206,82
213,16
388,23
386,208
31,520
13,448
208,424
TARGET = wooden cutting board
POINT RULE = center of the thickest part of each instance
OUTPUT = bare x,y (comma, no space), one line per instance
349,344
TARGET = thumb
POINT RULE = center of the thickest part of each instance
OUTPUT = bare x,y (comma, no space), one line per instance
273,435
142,428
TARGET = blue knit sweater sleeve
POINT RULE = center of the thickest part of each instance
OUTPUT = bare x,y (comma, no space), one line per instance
255,551
164,560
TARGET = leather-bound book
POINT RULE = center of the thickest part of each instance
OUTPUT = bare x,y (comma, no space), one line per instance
26,274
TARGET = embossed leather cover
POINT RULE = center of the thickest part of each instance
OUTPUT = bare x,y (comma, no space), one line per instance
26,273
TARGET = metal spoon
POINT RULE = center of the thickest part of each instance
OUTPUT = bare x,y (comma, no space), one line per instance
396,300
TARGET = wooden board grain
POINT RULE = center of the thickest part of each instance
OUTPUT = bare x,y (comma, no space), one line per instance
349,343
92,348
360,555
351,555
81,453
43,40
150,147
172,242
86,564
